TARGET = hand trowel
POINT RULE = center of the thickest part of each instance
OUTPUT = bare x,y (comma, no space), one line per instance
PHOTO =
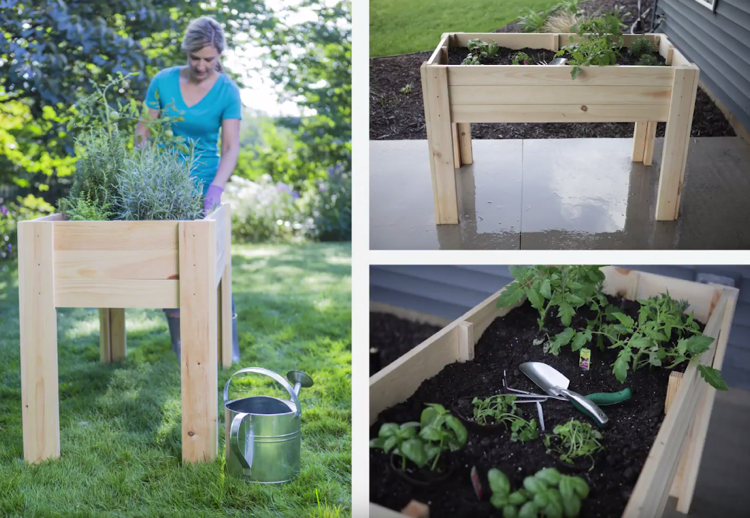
552,381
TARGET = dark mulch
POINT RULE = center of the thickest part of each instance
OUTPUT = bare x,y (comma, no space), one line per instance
400,116
391,337
506,343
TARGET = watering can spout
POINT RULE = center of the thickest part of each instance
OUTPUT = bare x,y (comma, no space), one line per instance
300,379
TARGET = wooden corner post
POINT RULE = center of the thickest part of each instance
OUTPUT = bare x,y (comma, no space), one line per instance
676,141
440,142
225,289
112,339
198,331
38,326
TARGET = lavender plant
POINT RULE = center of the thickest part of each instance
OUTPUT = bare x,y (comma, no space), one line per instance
155,184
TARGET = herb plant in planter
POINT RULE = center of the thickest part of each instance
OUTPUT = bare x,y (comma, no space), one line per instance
456,95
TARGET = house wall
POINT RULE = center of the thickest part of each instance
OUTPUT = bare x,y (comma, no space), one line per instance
718,42
450,291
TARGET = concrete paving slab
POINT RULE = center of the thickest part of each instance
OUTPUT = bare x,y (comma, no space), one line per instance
574,194
401,207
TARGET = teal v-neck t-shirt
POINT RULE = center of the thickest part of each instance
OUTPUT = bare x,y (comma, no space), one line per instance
202,120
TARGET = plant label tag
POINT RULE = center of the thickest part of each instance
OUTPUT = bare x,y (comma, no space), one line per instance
476,483
584,361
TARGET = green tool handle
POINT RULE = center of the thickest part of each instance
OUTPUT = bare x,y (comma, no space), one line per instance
603,398
609,398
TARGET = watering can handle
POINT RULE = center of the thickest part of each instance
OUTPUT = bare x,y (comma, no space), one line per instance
281,381
234,439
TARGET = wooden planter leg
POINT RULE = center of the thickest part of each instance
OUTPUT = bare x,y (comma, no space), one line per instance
676,140
198,335
643,142
112,340
226,297
440,140
38,322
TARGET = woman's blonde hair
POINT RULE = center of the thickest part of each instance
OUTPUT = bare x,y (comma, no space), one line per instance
203,32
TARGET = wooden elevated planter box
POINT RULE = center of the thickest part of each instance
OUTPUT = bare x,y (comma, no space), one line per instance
457,95
113,265
672,464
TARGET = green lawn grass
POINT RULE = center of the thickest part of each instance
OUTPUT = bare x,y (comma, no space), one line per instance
401,26
120,423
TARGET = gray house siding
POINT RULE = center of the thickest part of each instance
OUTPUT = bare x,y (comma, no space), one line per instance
718,42
451,291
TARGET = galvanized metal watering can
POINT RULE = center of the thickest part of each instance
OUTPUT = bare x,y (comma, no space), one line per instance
263,438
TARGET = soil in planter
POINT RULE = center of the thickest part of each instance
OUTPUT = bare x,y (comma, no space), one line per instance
506,344
397,115
393,337
504,56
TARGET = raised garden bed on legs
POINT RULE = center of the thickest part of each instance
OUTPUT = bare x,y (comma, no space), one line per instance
113,265
457,95
673,460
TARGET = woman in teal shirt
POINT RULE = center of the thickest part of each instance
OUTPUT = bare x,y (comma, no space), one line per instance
208,101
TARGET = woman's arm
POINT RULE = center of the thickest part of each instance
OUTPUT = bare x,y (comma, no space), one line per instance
230,151
141,131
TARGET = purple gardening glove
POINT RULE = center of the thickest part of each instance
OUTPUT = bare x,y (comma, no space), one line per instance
212,199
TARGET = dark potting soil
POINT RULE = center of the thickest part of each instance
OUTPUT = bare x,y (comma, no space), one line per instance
506,344
504,56
392,337
397,115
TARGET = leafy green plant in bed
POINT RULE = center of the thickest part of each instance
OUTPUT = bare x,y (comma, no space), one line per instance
649,61
560,288
641,46
648,341
425,441
521,58
501,409
573,440
478,49
599,43
392,437
547,494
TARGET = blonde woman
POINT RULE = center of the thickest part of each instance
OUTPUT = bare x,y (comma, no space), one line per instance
209,102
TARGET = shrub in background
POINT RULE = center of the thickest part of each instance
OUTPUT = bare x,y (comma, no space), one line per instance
29,207
266,211
329,202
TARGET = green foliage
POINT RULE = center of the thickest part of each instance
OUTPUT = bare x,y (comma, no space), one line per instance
649,60
521,58
641,47
28,207
440,431
569,6
574,440
155,184
101,156
329,203
548,494
564,288
502,409
392,437
533,21
479,50
406,90
599,43
88,210
648,341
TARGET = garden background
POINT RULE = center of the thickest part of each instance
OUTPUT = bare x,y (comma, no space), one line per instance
291,191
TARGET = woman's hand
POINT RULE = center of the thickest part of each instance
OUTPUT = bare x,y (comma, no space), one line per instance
213,198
